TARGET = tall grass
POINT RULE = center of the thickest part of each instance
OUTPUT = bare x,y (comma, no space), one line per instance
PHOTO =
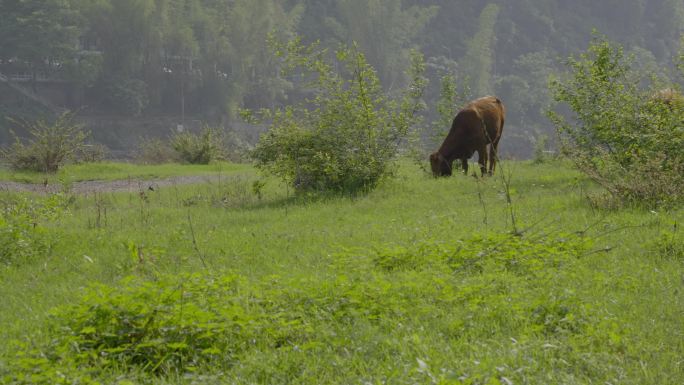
408,284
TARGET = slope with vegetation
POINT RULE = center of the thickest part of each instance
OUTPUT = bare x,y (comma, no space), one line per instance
207,59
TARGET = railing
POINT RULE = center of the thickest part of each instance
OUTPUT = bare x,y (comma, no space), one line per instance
23,78
29,94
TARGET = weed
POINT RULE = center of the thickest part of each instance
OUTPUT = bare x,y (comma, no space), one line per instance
23,235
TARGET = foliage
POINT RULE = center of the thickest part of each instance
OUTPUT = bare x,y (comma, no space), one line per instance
39,32
670,245
410,283
92,153
541,149
451,100
625,137
374,27
126,96
23,236
346,136
479,57
154,151
174,325
199,148
50,145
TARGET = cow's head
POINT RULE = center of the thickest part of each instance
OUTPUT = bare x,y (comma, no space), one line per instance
439,164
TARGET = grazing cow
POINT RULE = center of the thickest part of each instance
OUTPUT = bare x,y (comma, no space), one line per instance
476,126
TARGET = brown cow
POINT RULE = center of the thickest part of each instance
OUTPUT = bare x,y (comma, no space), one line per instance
477,125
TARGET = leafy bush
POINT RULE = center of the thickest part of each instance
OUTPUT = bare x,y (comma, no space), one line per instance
128,96
49,146
625,136
202,148
155,151
669,246
92,153
541,154
346,136
235,148
22,234
219,323
199,148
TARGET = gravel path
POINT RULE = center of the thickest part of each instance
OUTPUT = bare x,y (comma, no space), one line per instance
93,186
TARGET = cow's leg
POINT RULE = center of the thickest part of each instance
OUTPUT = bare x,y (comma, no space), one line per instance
482,158
493,155
464,165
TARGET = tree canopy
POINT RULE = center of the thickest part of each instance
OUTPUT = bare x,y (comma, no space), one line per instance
208,58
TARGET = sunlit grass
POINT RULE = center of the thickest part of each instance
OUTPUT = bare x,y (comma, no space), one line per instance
610,314
118,170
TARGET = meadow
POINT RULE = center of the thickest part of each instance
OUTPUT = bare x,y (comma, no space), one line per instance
527,277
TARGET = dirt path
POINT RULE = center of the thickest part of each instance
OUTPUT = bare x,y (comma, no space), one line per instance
93,186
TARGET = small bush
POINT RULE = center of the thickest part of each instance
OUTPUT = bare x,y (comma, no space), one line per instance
669,246
199,148
453,302
22,234
346,136
541,154
235,148
92,153
49,145
155,151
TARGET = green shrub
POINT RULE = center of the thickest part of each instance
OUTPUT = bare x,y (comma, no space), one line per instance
155,151
235,148
128,96
347,134
211,323
621,134
199,148
23,236
92,153
540,149
669,246
49,145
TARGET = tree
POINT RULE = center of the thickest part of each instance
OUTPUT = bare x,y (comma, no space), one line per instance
384,31
479,58
40,33
252,69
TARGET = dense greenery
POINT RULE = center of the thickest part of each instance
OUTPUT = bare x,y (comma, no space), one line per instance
344,137
209,58
50,145
420,281
626,129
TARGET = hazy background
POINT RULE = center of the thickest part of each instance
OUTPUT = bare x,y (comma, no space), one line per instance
140,68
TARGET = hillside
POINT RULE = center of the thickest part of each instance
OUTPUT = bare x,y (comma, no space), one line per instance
192,60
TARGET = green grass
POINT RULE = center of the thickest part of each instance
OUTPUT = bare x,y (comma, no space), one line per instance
419,281
116,170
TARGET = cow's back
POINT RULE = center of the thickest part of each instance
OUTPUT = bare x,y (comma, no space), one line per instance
492,113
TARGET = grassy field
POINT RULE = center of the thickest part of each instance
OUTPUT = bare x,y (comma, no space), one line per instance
113,171
436,281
